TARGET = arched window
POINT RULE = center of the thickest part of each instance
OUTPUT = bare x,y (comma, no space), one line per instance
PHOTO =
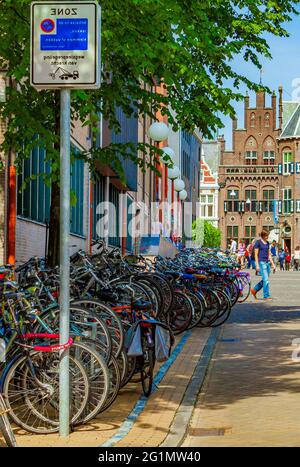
269,151
251,151
252,120
267,120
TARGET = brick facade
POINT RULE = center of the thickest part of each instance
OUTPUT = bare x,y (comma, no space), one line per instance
248,175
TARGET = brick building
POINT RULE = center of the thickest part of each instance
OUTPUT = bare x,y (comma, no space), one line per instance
248,175
289,176
209,193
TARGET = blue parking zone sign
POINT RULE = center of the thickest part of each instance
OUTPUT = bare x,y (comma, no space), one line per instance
71,34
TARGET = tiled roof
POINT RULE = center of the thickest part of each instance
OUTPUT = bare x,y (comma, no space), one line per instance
208,177
291,120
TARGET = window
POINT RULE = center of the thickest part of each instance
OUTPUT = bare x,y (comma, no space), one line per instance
287,200
98,197
233,200
287,159
251,157
250,233
233,194
207,206
269,157
114,240
77,181
34,199
232,232
250,195
267,120
268,228
268,200
252,120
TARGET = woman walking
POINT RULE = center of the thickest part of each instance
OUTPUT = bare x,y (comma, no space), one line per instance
241,252
264,261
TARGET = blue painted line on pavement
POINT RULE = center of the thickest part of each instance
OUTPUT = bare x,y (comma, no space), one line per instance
127,425
230,340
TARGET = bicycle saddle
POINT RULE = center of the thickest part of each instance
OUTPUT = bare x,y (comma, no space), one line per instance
139,305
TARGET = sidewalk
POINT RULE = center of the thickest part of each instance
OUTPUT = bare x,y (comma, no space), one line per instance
251,396
152,425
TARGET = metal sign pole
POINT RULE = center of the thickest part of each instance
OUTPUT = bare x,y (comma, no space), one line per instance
65,144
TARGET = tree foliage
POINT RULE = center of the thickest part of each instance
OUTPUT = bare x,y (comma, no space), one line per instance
205,234
188,46
212,235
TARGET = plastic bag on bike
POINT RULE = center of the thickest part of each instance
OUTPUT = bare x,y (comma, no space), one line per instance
162,344
133,341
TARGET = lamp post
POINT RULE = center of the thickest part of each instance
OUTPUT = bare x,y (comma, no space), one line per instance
179,186
173,174
158,132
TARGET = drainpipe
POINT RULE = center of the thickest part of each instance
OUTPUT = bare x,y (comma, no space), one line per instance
11,204
91,217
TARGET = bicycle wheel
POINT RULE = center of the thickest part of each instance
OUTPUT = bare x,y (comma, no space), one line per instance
114,373
180,315
98,375
109,317
31,391
83,323
244,288
5,427
198,309
212,308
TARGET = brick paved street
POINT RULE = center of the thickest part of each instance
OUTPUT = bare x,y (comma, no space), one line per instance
251,395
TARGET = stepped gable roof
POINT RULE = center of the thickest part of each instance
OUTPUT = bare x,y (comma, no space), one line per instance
207,174
291,120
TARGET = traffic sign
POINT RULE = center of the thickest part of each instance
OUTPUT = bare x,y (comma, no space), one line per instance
65,45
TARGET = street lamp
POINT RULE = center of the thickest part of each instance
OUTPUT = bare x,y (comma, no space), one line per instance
179,185
233,193
169,160
158,131
174,173
183,195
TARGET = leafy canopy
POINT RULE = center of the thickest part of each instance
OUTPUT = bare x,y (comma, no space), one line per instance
186,45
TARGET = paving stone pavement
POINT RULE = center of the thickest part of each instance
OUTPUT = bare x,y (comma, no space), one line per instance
251,395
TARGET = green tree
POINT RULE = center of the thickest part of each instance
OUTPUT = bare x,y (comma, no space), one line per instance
205,234
187,46
212,235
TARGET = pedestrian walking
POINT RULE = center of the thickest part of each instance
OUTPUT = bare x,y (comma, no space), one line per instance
281,258
274,252
251,254
264,262
233,246
241,252
288,260
296,258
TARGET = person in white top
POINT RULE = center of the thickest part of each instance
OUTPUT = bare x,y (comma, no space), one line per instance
296,258
233,246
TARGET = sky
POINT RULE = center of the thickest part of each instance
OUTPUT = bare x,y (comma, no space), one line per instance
283,69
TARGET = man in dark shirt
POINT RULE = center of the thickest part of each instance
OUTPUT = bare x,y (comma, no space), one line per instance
264,261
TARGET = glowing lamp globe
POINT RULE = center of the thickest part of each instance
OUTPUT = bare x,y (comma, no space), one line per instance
183,195
158,131
179,185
